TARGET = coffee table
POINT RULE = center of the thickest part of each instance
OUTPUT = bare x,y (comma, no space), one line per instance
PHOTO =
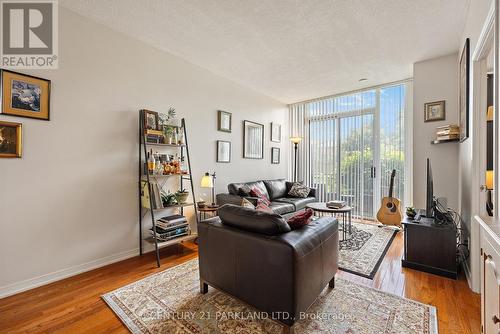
321,209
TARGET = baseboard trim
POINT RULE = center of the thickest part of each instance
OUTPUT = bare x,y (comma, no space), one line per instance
12,289
465,267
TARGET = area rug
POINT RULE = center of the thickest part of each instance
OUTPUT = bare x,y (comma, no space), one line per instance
363,251
170,302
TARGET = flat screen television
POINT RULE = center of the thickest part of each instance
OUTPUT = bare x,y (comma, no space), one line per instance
429,200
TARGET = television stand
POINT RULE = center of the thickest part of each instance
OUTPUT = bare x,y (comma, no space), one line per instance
430,247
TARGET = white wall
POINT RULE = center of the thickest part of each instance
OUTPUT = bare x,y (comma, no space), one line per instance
478,11
476,17
71,202
434,80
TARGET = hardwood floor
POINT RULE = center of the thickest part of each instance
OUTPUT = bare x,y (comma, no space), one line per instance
74,305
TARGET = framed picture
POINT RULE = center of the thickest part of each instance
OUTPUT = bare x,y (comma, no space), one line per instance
24,95
275,132
463,93
223,151
224,121
275,155
253,140
151,120
10,140
434,111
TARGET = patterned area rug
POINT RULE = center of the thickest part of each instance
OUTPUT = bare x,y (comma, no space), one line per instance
170,302
363,251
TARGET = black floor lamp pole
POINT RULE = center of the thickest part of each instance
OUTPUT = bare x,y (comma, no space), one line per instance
213,189
296,146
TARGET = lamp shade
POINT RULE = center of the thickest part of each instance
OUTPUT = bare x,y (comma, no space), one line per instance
295,140
207,181
489,179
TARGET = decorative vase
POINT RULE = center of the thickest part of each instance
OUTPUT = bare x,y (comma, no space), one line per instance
181,197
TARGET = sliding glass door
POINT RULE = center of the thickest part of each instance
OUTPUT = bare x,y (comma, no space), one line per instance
342,161
353,143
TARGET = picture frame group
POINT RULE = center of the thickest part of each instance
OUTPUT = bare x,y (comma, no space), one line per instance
253,139
21,95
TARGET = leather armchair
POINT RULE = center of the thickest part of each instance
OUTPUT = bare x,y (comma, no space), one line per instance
276,270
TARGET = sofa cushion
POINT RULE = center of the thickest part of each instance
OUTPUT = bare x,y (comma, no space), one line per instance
281,207
299,190
276,188
247,204
256,192
244,190
289,185
253,220
233,188
300,219
261,206
299,203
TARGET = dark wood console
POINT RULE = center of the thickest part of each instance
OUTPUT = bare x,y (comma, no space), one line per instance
430,247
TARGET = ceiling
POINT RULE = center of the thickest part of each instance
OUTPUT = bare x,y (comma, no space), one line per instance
291,50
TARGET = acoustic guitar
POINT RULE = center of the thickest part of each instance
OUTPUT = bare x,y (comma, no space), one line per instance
390,210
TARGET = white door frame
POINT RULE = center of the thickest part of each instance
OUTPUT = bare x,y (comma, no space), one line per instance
487,41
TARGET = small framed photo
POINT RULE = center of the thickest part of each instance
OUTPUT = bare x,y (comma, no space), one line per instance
10,140
223,151
275,132
224,121
151,120
25,95
275,155
434,111
253,140
463,92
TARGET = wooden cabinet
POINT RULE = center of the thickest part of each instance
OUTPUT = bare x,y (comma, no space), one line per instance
490,283
431,248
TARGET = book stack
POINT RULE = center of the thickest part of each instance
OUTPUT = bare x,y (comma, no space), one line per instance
154,136
336,204
171,227
448,132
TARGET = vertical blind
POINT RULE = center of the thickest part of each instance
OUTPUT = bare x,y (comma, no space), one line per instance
351,144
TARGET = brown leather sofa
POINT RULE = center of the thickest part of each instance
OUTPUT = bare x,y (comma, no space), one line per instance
276,190
255,257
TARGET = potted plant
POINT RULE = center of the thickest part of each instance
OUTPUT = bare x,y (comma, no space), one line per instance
410,212
168,132
182,196
165,120
168,199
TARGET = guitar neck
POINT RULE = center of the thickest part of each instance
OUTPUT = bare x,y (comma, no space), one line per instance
391,187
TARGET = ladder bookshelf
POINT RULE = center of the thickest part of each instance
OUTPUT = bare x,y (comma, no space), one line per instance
147,179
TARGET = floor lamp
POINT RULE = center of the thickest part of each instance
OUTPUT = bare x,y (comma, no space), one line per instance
295,141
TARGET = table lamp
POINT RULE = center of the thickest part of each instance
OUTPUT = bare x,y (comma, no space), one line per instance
208,181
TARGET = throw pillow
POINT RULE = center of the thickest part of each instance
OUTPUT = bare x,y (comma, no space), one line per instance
256,192
244,190
261,206
247,204
299,190
300,219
